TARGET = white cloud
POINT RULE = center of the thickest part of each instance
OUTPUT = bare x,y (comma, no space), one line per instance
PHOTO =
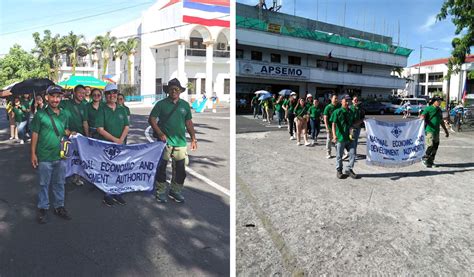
430,21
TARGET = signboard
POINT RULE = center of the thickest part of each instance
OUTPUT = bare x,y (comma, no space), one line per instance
274,71
395,144
274,28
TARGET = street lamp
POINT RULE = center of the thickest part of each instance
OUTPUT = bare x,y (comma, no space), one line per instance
418,88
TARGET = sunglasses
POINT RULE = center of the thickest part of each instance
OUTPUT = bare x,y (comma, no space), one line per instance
94,95
111,92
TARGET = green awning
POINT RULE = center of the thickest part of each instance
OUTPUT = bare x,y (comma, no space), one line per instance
82,80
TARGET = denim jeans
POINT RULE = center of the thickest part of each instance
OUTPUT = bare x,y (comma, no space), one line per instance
315,128
281,116
329,142
349,146
21,126
356,135
51,173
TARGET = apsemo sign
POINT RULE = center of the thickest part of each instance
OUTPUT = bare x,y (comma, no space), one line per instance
274,71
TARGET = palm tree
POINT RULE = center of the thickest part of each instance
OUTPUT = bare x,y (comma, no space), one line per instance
129,48
48,51
398,71
74,48
105,45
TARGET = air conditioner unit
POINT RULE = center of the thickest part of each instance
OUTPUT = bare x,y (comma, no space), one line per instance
221,46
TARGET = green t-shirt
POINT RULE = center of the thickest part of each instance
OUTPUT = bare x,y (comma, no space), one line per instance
433,117
314,112
357,112
20,114
343,119
27,104
113,121
127,109
254,100
301,111
77,113
278,105
92,113
328,110
175,126
291,107
47,149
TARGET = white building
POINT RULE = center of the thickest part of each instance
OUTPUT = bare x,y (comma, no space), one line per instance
172,45
431,77
279,51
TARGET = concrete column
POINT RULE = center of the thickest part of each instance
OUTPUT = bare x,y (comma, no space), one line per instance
426,83
117,68
132,68
148,76
209,67
181,61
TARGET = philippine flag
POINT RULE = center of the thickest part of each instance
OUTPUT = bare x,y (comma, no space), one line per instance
207,12
464,92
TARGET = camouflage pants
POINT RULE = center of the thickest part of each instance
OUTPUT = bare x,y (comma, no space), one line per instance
179,160
432,143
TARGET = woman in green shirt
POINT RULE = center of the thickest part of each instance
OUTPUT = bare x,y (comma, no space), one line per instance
20,112
289,107
93,110
301,119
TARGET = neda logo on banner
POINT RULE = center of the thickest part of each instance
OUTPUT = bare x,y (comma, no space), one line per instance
288,72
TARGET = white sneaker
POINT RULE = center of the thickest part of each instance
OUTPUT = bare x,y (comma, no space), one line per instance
279,126
264,120
345,157
313,142
11,138
22,141
298,143
292,138
328,156
307,144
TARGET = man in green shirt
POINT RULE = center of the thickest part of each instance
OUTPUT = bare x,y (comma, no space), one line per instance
112,125
342,120
433,117
328,110
174,115
359,116
314,119
45,145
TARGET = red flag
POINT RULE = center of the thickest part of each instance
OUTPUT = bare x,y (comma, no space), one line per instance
464,93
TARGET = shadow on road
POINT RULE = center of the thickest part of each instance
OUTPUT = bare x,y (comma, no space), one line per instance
422,173
141,238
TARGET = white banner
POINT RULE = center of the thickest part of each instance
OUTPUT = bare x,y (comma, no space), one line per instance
115,168
394,144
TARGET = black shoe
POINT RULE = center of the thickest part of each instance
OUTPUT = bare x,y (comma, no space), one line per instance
119,199
427,164
62,213
42,216
108,200
352,174
339,175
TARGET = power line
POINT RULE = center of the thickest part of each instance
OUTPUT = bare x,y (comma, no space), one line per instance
75,19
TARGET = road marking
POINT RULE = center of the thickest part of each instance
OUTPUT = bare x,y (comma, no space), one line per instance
455,146
289,259
194,173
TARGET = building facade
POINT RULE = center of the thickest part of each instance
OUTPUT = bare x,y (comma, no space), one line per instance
429,78
277,51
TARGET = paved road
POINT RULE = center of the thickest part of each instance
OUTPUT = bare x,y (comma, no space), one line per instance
142,238
295,217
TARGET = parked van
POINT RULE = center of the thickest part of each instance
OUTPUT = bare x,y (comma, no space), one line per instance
414,103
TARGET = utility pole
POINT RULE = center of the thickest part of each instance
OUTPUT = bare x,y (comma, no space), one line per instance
418,89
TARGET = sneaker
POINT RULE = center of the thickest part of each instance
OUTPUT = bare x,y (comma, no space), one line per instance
279,126
339,174
328,156
425,163
292,138
161,197
62,213
345,157
352,174
119,199
307,144
176,196
264,120
22,141
298,143
11,138
42,216
108,200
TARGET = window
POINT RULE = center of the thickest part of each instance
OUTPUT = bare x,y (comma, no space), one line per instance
327,65
354,68
226,86
256,55
239,53
275,58
191,85
196,43
294,60
203,85
158,86
435,77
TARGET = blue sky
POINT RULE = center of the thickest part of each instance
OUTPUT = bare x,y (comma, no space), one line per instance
417,21
18,15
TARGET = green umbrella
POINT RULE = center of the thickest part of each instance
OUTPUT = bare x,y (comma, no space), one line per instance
82,80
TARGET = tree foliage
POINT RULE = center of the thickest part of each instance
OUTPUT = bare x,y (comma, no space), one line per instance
462,16
105,44
19,65
128,48
48,51
73,46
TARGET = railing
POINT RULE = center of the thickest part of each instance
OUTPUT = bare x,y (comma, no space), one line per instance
221,53
195,52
